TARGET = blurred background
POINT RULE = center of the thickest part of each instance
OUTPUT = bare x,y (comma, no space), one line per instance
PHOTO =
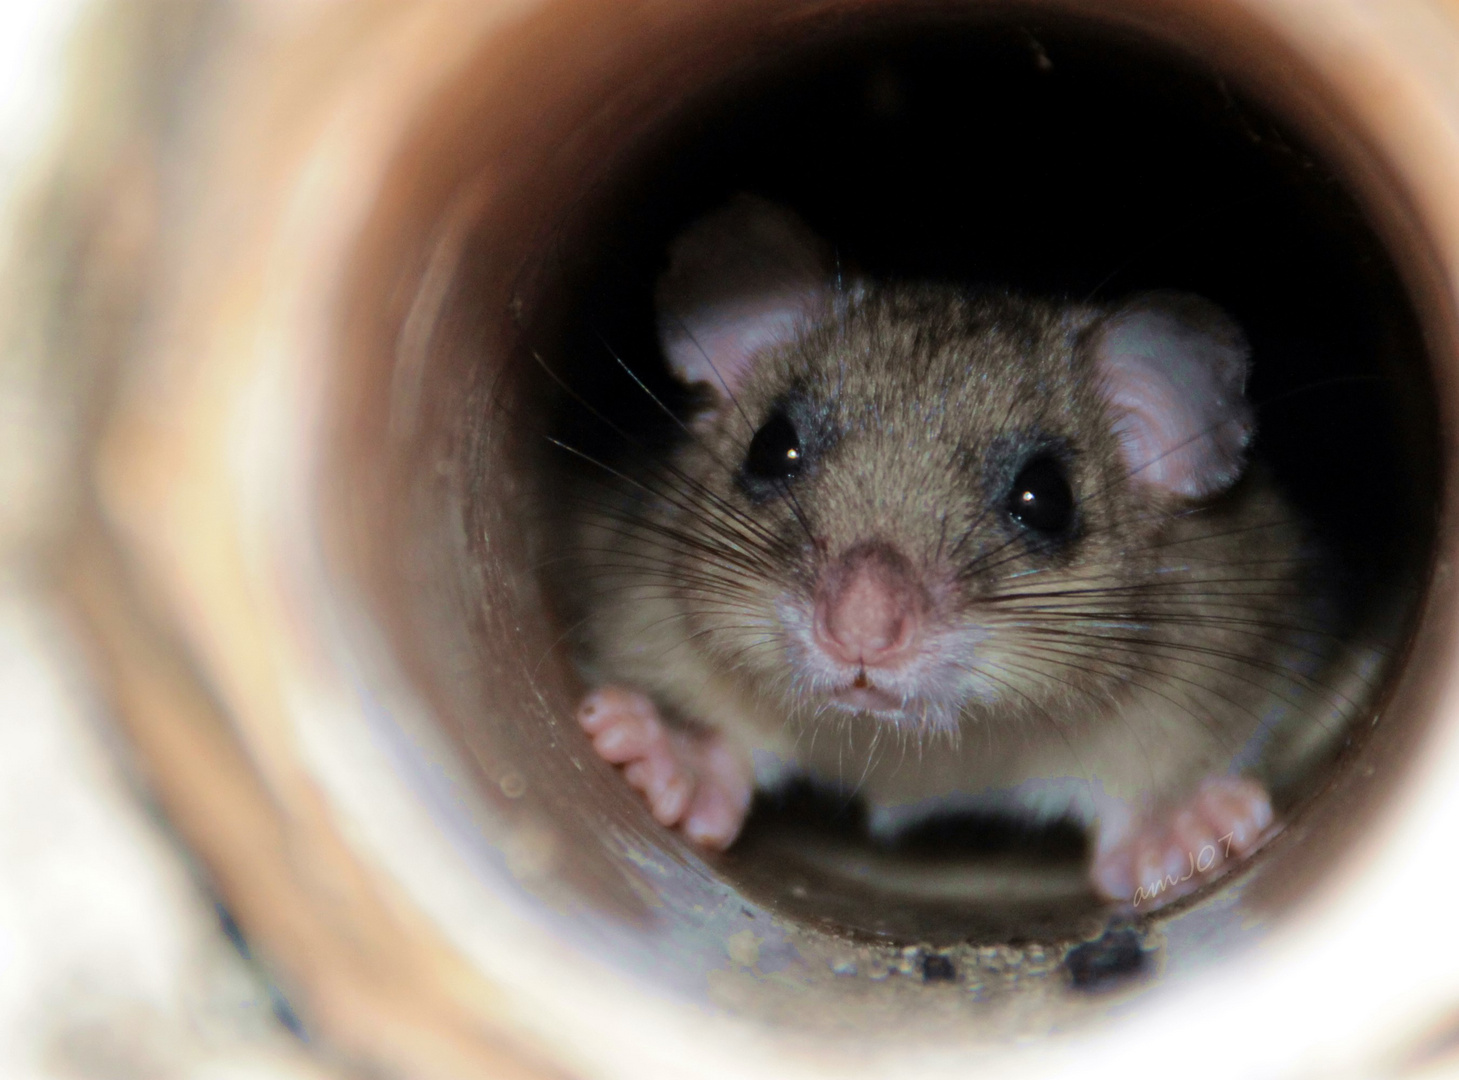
115,960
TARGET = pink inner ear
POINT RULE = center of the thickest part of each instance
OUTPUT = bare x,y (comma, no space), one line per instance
716,343
741,280
1174,368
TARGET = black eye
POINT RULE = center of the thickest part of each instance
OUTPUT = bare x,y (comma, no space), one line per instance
1041,499
775,452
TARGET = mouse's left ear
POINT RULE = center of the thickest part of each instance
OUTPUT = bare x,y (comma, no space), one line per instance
744,279
1174,368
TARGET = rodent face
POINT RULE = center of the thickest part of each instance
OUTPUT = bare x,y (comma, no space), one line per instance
918,507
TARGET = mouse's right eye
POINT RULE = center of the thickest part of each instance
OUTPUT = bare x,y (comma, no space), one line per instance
1041,499
775,451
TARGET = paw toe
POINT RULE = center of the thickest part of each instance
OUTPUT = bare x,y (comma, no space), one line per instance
688,780
1166,858
1238,808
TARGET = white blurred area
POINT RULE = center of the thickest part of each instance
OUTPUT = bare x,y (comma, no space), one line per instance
33,37
113,960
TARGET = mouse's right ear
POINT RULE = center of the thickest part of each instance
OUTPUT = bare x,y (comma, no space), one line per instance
745,278
1174,368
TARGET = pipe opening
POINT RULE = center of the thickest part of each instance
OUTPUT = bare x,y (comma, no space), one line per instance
513,265
1054,163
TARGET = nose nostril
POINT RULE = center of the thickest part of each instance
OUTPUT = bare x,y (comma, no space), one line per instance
868,618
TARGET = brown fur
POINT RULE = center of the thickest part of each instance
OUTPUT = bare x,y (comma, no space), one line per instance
1138,658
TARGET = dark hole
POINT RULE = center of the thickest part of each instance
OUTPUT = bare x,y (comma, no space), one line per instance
1115,957
1058,160
806,851
834,812
938,968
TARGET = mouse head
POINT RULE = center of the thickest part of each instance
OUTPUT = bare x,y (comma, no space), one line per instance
923,503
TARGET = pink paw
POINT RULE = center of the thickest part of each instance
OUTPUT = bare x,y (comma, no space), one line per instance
692,781
1160,860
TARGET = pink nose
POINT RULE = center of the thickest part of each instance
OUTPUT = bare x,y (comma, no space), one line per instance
867,611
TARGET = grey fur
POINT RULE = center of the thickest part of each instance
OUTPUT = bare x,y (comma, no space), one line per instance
917,404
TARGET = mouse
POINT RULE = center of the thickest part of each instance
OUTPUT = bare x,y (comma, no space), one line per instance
953,550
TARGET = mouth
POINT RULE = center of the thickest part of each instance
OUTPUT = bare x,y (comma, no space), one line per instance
887,702
862,696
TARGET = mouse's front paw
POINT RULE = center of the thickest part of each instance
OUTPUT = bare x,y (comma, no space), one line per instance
1169,856
689,780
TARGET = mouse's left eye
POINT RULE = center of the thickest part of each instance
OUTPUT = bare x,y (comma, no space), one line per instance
1041,499
775,451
